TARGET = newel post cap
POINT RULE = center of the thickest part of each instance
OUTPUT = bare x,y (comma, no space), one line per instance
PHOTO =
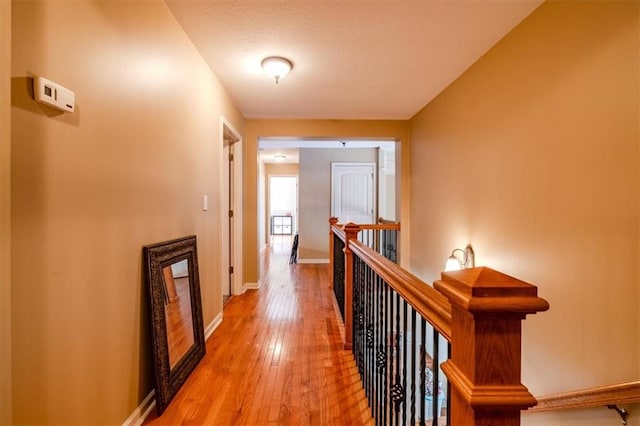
351,232
351,229
484,290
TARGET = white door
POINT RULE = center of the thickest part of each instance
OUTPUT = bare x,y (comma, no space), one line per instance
353,192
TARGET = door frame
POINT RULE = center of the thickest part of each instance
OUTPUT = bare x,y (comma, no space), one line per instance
229,132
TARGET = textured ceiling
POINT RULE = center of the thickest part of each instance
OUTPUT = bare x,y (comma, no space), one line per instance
365,59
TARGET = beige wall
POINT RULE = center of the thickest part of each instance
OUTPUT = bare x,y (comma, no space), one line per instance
127,168
533,157
5,212
281,169
315,196
256,128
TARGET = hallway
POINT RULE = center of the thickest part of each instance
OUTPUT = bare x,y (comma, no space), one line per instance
276,358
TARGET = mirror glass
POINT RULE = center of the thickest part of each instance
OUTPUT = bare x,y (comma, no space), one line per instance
177,310
176,314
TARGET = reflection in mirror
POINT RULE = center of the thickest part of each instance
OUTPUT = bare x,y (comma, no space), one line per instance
177,310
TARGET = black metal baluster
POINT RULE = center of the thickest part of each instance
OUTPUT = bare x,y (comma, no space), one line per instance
363,331
387,236
374,338
423,366
385,375
374,335
413,367
365,325
404,362
368,334
392,353
363,311
434,389
338,272
363,307
397,386
380,348
375,345
367,313
448,389
370,361
354,302
357,312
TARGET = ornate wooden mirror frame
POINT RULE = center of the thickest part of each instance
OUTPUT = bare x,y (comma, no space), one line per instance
176,314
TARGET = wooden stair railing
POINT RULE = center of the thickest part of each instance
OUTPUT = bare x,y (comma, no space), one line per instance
478,310
341,234
610,396
375,235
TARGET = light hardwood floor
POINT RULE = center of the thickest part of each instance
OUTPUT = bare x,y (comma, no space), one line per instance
276,359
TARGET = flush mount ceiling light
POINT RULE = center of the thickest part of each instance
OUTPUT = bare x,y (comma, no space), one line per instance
277,67
279,157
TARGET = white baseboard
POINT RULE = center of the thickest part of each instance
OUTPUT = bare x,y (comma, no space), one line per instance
250,286
313,260
212,326
142,411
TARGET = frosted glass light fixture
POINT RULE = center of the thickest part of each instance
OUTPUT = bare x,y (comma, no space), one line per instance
277,67
465,259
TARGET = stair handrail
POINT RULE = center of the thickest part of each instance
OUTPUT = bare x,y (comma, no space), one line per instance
381,225
598,396
427,301
610,396
384,221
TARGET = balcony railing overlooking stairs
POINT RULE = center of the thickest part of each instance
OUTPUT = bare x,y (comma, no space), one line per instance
448,355
381,237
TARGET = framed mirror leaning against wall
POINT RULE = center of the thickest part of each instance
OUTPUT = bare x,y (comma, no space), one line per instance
176,314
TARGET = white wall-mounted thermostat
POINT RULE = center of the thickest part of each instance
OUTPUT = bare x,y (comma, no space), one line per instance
54,95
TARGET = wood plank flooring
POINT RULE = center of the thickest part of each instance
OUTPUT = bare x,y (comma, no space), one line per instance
276,359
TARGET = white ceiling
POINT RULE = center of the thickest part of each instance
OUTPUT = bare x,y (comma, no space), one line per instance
353,59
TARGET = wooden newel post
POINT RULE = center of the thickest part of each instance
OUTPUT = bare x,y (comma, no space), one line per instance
332,221
484,369
351,231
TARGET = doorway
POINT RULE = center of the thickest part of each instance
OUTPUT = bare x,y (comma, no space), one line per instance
283,203
282,208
